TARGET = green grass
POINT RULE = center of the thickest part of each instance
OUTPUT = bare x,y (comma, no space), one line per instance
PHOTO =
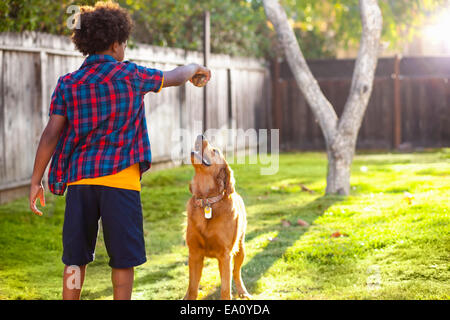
393,249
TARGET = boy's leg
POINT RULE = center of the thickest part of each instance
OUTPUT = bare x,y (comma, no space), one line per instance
122,280
73,280
79,236
122,221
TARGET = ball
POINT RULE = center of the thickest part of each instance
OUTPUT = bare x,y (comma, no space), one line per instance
199,80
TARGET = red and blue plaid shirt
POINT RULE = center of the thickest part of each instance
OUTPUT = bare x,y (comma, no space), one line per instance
106,129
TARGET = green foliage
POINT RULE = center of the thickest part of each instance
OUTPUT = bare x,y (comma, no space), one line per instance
38,15
238,27
323,27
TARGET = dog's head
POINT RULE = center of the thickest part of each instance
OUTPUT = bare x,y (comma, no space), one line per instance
208,160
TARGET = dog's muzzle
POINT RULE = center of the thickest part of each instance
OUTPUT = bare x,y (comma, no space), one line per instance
201,159
198,151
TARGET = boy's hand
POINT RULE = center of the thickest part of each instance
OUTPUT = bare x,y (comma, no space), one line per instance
201,77
197,74
36,191
46,147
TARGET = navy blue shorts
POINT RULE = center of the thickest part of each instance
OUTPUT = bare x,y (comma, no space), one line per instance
120,211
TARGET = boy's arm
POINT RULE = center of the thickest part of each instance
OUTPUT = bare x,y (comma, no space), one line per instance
45,150
180,75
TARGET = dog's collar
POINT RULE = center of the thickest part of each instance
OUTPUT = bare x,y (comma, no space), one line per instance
207,202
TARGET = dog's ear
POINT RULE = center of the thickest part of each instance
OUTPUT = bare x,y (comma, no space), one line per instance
226,179
190,187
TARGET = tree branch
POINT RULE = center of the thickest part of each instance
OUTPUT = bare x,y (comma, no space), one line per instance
363,74
321,107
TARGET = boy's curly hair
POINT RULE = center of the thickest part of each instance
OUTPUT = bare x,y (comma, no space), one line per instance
101,26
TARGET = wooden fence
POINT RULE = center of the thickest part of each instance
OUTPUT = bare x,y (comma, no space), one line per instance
409,106
238,96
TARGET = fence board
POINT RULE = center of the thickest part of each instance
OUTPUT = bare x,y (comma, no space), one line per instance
426,126
2,125
22,114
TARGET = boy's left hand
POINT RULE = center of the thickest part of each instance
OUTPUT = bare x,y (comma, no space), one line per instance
36,191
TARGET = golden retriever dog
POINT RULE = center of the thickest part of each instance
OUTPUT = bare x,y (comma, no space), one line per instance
216,221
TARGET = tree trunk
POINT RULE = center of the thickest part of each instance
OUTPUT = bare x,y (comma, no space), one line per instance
339,167
340,134
338,176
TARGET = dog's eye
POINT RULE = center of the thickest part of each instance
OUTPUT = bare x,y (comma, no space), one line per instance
216,151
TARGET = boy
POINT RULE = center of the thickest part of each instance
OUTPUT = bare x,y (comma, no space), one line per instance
97,135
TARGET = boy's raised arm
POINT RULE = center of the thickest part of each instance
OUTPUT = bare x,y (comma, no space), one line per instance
180,75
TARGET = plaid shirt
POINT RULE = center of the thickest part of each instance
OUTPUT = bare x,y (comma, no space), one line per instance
106,129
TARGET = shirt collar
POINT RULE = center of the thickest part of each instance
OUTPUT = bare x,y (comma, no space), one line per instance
97,58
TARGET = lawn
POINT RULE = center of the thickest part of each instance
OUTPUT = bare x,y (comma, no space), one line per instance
386,243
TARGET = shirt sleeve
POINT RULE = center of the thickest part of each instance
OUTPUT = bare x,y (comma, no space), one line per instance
150,79
57,104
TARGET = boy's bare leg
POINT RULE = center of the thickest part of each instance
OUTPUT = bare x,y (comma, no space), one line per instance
122,280
73,280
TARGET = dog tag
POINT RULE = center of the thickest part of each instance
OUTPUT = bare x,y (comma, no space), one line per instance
208,212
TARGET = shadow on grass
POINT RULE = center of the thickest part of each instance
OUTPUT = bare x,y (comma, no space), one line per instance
259,264
158,275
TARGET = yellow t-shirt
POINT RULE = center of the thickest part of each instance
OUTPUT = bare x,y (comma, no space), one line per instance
128,178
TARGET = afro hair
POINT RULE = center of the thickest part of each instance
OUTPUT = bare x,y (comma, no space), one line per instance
100,26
